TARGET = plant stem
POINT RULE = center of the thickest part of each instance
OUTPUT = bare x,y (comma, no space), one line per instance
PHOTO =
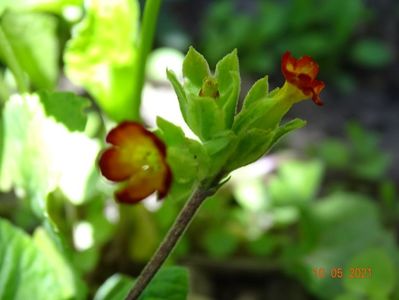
12,62
146,38
169,242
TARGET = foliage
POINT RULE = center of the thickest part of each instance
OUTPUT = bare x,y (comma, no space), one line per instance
62,236
264,29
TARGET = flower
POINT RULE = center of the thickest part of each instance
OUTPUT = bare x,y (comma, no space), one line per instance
137,160
302,74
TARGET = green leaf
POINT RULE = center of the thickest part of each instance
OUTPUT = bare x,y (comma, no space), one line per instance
52,6
180,92
26,271
66,108
251,146
114,288
371,53
169,283
379,282
61,266
286,128
183,163
340,227
219,149
265,114
258,91
212,242
101,55
40,154
32,37
195,68
335,153
228,77
228,101
172,135
296,183
204,117
227,65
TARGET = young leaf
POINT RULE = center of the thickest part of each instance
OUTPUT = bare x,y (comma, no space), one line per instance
251,145
228,77
195,67
180,92
204,117
32,37
265,114
26,270
219,149
228,100
172,135
258,91
286,128
224,68
66,108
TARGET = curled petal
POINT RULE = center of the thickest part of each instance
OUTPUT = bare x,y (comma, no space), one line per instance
302,73
137,160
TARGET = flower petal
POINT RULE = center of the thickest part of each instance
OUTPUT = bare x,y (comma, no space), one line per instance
113,167
143,184
138,160
302,73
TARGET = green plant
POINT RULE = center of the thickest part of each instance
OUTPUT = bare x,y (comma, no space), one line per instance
263,29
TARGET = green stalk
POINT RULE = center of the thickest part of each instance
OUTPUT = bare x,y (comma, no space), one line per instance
12,62
4,92
146,38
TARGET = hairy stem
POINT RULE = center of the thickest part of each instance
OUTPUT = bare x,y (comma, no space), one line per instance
169,242
12,62
146,38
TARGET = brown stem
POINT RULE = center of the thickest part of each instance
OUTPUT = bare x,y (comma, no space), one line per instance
169,242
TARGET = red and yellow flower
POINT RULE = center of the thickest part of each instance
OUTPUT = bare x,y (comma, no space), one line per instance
137,161
301,73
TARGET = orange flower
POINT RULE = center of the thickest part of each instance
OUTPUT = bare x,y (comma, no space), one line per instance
137,160
302,73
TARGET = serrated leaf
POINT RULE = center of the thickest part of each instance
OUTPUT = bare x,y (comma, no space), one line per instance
195,67
259,90
101,55
204,117
26,271
66,108
180,93
251,146
24,33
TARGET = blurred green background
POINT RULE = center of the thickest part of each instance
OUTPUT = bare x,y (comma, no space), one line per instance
324,200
